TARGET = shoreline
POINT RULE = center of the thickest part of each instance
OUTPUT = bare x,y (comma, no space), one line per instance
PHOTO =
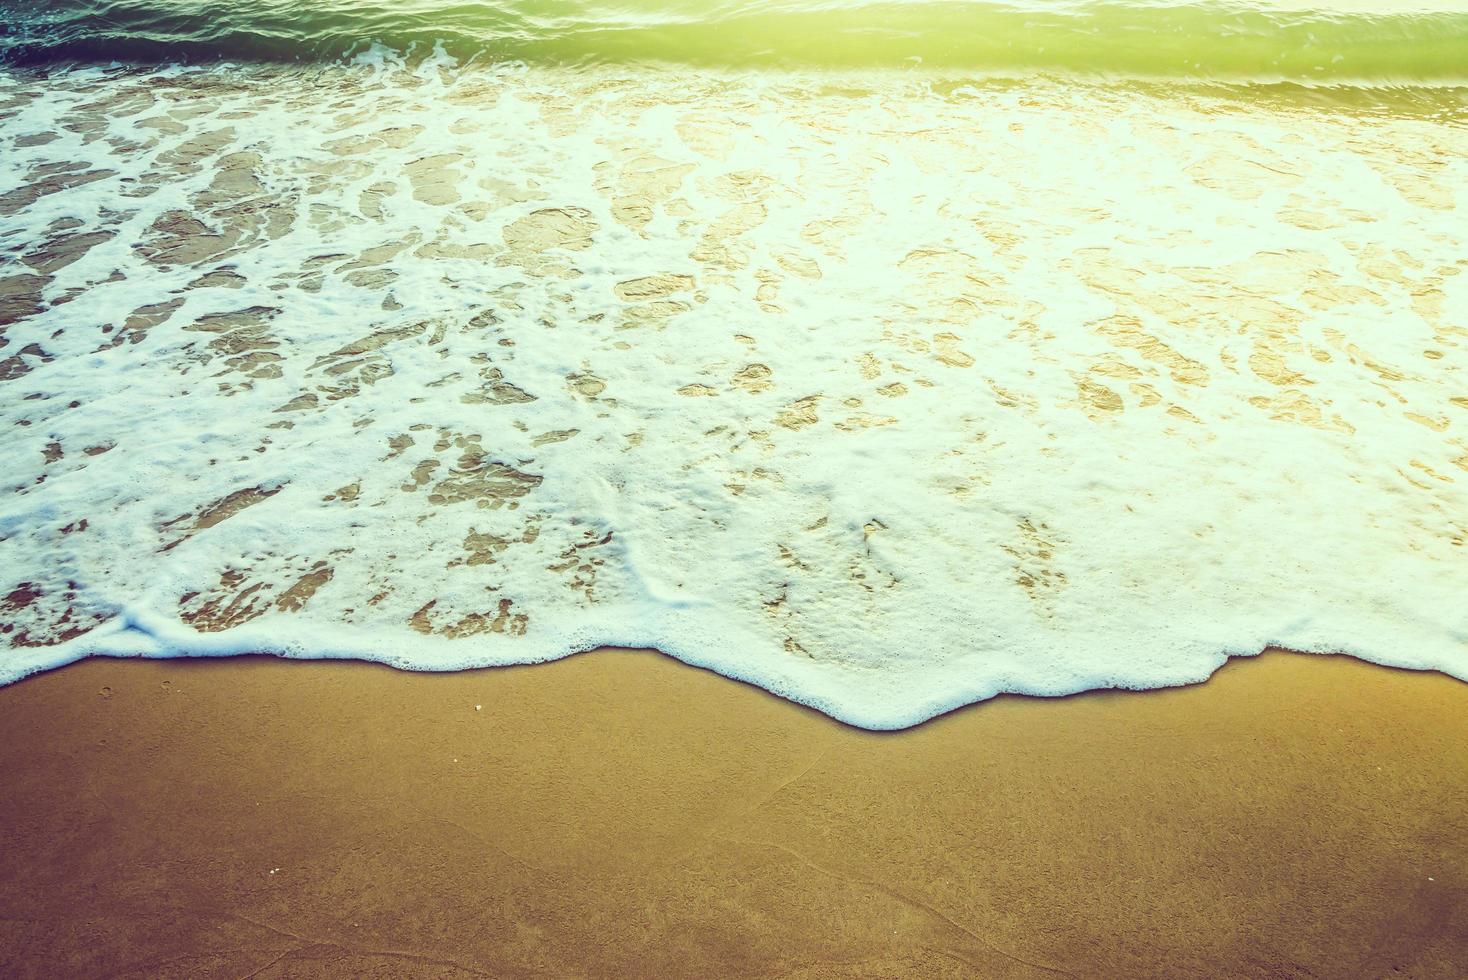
209,651
619,812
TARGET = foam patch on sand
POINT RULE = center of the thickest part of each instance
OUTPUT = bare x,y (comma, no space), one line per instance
887,394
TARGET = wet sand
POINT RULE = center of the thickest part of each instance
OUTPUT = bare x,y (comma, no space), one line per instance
621,814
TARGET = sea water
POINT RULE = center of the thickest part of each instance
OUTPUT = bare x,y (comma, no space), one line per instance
888,356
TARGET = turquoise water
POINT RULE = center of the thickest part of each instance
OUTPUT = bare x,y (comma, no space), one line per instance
1218,40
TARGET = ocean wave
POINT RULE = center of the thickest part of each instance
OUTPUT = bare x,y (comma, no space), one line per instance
1137,38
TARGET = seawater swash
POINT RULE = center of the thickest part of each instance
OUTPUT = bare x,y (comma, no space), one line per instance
888,384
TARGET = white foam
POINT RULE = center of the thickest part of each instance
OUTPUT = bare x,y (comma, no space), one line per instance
886,393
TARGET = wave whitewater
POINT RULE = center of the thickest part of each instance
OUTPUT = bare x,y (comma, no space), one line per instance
452,366
1217,39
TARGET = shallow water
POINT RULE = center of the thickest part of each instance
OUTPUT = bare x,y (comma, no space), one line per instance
885,388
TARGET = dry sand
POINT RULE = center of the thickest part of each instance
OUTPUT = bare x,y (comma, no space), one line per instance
620,814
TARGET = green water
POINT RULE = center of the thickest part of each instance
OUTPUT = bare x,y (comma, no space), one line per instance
1298,42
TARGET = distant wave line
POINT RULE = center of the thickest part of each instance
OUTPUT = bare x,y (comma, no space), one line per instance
1215,40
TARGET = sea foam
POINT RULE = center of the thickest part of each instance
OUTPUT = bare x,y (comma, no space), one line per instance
887,393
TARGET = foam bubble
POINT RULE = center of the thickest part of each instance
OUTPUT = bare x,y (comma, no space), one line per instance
887,393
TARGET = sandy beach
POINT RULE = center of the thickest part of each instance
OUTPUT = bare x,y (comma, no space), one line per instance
911,404
621,814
